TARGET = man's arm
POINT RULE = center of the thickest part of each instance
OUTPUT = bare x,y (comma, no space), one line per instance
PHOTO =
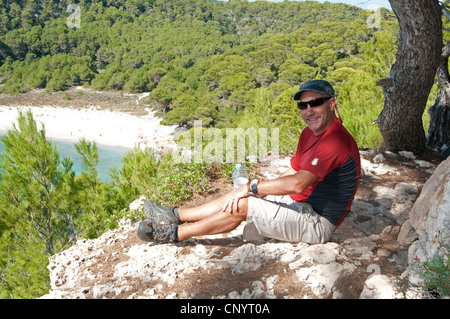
288,183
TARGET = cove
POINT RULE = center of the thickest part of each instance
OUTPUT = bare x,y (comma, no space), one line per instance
107,157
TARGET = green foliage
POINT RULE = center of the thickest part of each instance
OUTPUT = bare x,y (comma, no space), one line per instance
54,73
436,275
163,180
33,218
138,168
44,207
203,60
31,172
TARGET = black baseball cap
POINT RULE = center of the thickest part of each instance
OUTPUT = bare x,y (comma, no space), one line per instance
319,86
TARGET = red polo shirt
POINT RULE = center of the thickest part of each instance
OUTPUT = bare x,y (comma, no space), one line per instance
333,156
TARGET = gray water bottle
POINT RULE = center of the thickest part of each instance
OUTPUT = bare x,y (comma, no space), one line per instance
240,176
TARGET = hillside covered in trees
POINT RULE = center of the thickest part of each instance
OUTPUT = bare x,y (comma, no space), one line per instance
214,61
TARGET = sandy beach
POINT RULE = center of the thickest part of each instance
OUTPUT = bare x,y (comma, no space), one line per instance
105,127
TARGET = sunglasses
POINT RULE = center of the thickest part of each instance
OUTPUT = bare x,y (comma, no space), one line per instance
313,103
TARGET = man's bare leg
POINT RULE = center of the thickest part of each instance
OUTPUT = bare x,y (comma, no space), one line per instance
200,212
218,216
217,222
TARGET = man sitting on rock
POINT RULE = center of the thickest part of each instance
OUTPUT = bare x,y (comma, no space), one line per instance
305,204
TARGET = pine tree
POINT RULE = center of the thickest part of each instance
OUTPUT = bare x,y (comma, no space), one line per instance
44,206
33,217
32,173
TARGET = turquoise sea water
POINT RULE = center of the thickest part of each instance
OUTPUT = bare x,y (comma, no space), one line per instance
107,157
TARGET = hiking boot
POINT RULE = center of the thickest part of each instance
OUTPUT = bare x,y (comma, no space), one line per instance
159,233
145,231
160,215
165,233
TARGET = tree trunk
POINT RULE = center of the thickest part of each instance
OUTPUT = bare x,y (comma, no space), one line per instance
411,77
439,130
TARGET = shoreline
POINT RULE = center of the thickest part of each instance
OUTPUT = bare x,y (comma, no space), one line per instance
105,127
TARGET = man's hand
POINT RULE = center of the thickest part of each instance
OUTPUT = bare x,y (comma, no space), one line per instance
231,206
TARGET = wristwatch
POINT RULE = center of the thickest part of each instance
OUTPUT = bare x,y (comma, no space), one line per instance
254,186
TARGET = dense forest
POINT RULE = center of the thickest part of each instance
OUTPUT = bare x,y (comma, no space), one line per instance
228,64
205,60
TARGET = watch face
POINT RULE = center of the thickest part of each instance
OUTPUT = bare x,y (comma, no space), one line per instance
254,186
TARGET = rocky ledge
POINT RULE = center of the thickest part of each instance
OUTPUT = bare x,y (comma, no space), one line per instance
371,255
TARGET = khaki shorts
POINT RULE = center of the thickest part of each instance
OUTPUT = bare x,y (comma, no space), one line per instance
282,218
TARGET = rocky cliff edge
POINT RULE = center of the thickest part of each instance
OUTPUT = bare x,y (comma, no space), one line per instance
366,257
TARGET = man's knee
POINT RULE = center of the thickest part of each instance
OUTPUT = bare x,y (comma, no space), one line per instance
241,214
243,208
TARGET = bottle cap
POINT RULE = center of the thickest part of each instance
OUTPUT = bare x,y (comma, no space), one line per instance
238,166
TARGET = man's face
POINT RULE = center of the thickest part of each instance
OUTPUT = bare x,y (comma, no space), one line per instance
318,118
